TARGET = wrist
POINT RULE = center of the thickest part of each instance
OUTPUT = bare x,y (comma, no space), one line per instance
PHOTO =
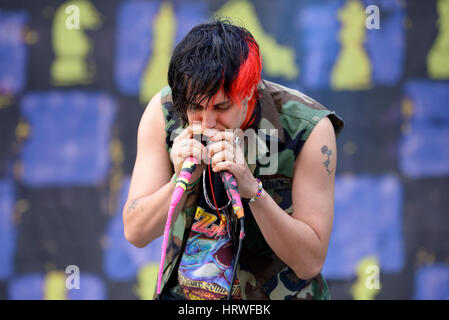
257,193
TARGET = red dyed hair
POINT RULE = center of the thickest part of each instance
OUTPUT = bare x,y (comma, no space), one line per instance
248,77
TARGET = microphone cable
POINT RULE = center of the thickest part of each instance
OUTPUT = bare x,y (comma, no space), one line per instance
241,236
237,258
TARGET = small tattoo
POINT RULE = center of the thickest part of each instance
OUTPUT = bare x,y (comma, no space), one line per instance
325,151
133,205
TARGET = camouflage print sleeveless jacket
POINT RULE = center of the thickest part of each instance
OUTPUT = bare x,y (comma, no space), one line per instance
287,117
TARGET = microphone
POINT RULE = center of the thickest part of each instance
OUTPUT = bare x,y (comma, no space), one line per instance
185,175
230,184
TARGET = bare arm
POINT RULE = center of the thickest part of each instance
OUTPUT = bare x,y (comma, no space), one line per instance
145,212
301,240
151,189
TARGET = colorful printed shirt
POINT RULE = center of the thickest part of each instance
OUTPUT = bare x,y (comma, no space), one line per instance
205,270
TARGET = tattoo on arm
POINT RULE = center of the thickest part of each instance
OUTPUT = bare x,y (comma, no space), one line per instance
326,152
133,205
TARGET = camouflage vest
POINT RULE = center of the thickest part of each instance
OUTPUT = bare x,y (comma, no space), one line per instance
261,274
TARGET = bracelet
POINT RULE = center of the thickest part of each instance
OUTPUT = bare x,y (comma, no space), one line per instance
259,192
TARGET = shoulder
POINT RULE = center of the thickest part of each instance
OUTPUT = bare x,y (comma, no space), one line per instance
282,95
152,122
299,112
324,127
159,107
160,115
165,95
321,145
322,136
153,110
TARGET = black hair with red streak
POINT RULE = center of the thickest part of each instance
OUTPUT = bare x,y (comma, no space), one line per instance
214,56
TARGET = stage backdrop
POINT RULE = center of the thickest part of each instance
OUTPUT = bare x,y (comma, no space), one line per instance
71,96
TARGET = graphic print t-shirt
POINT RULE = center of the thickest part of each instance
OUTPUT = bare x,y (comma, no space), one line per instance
205,269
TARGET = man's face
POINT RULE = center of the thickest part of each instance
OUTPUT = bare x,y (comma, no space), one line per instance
221,113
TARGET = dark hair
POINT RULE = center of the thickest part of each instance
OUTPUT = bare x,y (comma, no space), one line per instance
210,57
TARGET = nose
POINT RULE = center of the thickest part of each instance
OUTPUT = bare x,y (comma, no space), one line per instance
208,119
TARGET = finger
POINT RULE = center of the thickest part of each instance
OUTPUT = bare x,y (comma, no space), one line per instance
239,157
234,138
194,148
210,132
222,156
224,166
193,128
185,134
224,135
197,130
195,153
181,143
218,146
189,153
183,149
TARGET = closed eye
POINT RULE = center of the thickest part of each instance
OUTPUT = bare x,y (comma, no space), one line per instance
223,106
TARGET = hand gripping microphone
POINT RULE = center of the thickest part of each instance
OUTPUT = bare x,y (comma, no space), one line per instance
230,185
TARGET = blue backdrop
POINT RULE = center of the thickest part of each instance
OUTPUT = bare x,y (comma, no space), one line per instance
71,97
